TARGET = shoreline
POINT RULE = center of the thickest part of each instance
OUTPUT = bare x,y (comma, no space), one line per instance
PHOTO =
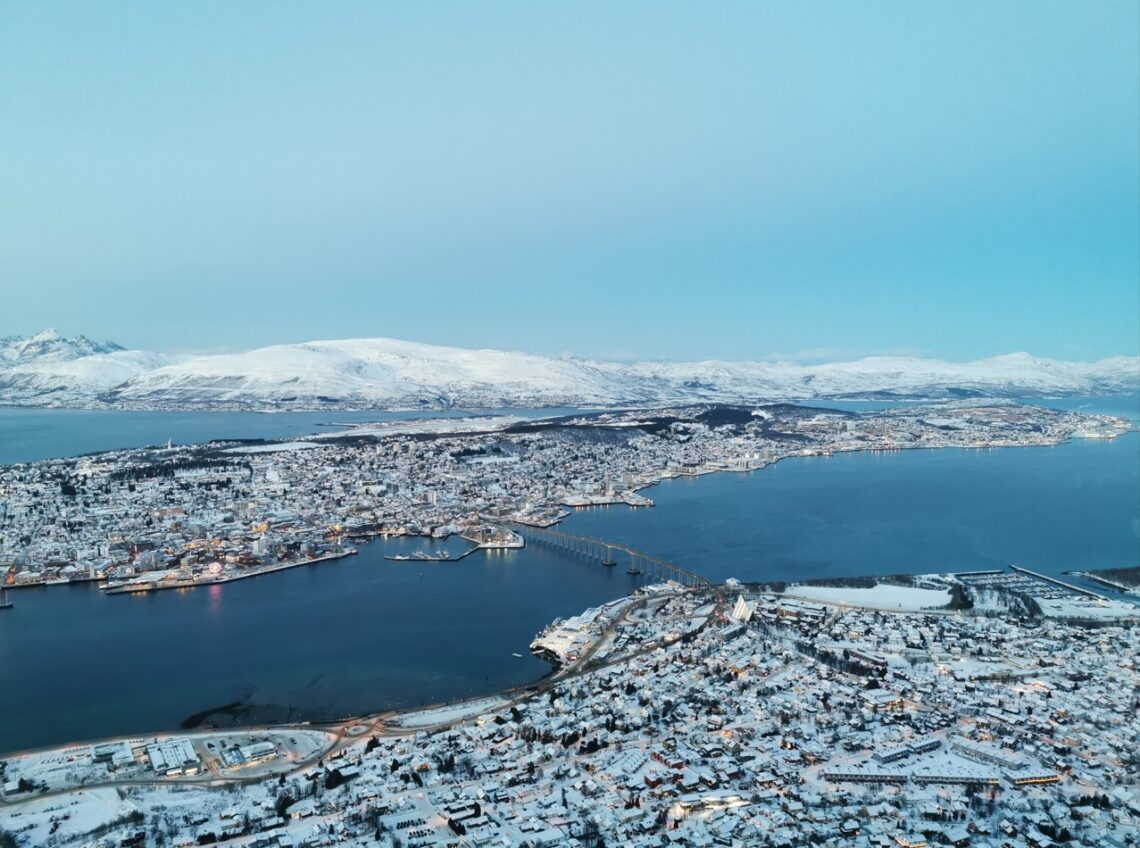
145,587
367,536
647,485
390,719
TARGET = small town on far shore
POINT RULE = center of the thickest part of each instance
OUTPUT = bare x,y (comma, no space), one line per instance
178,516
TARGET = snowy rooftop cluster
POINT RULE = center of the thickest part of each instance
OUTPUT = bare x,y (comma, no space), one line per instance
181,509
811,724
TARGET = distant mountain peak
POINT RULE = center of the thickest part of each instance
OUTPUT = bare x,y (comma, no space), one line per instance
384,373
49,346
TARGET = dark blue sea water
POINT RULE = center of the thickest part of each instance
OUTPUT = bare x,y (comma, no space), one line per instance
363,634
345,637
1073,506
28,435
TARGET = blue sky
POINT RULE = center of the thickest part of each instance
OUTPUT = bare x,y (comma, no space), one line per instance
634,180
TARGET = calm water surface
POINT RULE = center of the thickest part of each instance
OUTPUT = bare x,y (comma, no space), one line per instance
28,435
1073,506
363,634
350,636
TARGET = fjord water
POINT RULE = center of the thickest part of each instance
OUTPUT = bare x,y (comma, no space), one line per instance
362,634
1049,509
350,636
29,435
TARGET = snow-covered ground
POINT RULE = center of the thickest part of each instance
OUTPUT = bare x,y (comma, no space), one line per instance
454,712
274,447
883,596
1082,607
435,426
39,821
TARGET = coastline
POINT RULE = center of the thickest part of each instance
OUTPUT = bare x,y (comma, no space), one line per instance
142,587
793,455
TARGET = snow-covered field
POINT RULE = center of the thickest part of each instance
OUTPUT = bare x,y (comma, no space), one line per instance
456,712
1081,607
275,447
38,821
883,596
435,426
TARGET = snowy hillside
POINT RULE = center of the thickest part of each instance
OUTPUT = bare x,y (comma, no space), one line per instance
49,346
49,370
386,373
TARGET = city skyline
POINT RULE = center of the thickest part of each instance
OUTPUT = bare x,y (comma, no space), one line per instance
742,183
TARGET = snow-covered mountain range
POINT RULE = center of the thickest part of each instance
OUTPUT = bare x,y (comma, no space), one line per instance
49,370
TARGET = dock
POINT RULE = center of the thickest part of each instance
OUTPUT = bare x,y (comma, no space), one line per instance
143,586
429,557
1087,592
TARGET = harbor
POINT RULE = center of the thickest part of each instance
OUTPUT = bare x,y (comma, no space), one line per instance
148,583
421,556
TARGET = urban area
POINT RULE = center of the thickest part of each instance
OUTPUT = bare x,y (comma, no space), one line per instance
985,709
696,716
177,516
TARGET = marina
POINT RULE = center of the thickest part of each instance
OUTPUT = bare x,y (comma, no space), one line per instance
420,556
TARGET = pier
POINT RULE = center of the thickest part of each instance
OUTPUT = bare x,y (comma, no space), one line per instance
615,554
139,585
1086,592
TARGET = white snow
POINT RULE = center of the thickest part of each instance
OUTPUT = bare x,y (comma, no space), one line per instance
392,373
884,596
274,447
1085,607
455,712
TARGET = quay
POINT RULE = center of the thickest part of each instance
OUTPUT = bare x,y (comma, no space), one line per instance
422,557
1104,581
53,581
144,586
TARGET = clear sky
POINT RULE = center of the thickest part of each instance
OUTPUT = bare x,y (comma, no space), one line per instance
633,180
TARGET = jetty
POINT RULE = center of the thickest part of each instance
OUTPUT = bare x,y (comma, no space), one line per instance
420,556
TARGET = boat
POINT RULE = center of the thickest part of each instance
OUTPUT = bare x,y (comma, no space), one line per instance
4,602
420,556
520,656
609,563
633,569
